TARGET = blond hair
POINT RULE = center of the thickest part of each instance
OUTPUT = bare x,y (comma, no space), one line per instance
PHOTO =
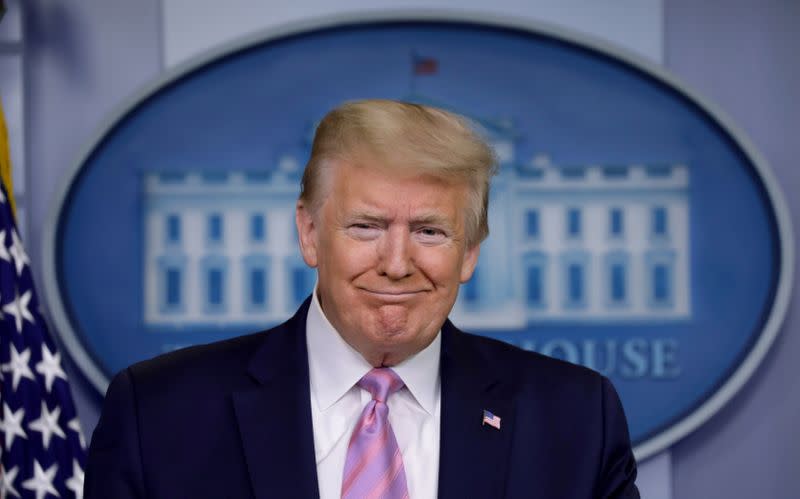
413,137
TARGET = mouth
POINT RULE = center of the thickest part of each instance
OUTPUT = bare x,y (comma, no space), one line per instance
393,296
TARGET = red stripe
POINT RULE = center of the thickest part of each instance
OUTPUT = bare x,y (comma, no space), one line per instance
388,476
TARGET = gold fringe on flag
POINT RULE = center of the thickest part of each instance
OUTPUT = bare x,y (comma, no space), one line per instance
5,161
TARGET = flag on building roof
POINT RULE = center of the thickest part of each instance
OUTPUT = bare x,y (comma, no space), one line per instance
425,65
43,452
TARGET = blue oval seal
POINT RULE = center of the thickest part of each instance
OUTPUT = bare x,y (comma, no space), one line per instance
633,230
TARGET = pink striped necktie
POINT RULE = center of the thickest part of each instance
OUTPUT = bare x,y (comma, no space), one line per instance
374,465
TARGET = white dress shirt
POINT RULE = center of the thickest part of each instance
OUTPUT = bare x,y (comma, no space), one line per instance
336,404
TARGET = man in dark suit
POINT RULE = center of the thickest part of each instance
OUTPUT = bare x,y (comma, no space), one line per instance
369,391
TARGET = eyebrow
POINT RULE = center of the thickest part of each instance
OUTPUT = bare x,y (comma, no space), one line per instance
431,219
366,216
422,219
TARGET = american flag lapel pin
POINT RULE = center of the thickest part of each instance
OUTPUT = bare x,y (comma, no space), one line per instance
491,420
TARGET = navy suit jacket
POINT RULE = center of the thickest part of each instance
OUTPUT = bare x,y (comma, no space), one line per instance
233,420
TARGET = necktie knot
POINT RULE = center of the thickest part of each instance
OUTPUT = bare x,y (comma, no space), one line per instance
380,383
374,464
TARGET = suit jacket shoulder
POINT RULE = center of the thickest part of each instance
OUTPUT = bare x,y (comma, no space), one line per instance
204,366
524,361
169,426
565,430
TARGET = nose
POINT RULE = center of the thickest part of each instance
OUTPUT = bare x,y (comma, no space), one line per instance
395,254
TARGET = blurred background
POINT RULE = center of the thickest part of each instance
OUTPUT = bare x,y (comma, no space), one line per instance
67,67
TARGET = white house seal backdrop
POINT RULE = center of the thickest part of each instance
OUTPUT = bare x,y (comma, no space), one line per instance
632,230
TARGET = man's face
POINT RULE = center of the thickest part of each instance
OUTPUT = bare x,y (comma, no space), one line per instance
390,250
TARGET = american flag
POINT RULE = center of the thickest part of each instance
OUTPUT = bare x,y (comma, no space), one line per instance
491,419
425,65
43,452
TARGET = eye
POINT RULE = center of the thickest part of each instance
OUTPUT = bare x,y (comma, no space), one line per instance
431,235
363,231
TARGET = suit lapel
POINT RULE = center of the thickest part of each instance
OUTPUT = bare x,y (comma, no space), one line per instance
472,456
275,416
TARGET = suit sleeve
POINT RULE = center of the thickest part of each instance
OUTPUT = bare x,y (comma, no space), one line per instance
618,467
114,466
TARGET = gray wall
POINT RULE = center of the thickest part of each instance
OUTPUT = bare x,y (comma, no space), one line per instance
84,57
743,56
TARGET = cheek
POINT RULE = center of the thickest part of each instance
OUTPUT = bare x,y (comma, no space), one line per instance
350,258
441,267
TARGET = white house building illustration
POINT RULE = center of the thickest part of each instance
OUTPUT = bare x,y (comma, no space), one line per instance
220,248
592,242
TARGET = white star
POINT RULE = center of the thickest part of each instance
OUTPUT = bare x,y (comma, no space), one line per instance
3,250
2,197
47,424
75,426
50,367
18,252
18,366
11,425
19,309
75,482
7,482
42,481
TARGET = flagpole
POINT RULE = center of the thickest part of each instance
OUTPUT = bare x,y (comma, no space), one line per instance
411,79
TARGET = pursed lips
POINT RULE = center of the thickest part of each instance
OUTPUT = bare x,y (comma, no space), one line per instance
393,294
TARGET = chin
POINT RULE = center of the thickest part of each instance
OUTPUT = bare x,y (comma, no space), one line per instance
391,339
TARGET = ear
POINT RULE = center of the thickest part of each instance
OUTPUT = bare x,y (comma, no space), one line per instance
469,262
307,233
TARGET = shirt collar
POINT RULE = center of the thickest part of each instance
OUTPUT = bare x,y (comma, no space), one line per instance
335,367
420,373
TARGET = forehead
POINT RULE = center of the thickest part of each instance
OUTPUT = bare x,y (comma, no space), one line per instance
381,187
